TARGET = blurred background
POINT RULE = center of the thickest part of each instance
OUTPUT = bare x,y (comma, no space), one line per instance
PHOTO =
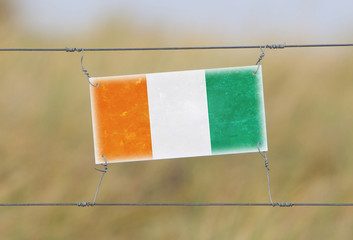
46,143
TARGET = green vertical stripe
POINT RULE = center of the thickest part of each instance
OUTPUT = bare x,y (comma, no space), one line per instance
236,109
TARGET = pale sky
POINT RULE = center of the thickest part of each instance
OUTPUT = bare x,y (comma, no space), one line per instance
319,21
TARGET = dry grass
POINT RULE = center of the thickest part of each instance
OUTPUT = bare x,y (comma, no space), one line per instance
46,147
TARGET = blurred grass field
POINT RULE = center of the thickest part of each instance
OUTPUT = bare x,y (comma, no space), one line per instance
46,145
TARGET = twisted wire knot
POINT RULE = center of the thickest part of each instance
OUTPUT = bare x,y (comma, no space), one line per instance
84,204
86,72
263,48
67,49
276,46
267,164
261,56
283,204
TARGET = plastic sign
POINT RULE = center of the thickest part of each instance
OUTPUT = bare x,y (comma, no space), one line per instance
178,114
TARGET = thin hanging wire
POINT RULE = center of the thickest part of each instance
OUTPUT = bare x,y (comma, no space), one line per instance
104,171
260,58
263,154
85,70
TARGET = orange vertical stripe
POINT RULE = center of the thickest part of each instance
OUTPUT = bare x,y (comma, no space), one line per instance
121,123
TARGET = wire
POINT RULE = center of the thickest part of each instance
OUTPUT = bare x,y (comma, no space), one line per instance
104,171
263,154
273,46
85,204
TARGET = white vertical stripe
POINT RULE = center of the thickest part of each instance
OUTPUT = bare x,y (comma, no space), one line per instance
178,114
263,146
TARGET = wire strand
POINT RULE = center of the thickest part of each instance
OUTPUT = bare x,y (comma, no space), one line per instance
104,171
263,154
270,46
84,204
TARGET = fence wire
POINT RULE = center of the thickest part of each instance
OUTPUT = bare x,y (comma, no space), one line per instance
89,204
267,46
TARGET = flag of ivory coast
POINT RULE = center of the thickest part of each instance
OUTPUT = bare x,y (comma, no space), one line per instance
178,114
